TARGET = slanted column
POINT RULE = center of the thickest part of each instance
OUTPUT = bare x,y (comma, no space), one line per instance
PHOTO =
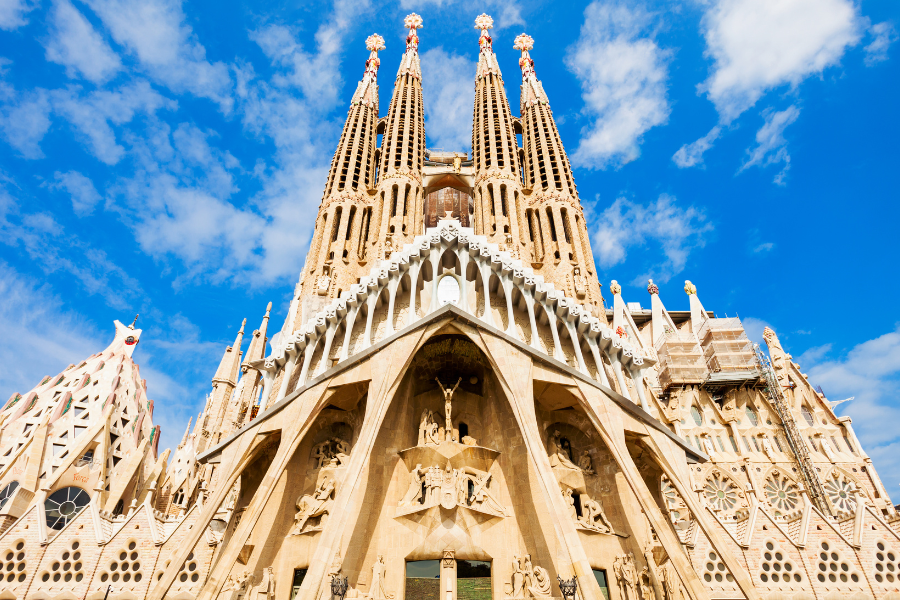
349,321
485,269
638,380
413,282
285,381
371,301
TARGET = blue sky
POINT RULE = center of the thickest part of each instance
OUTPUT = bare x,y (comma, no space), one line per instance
167,158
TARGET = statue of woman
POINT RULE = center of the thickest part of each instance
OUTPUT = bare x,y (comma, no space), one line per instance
377,591
558,456
414,493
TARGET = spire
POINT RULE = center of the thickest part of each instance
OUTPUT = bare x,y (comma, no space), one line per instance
367,89
257,348
532,90
187,432
410,63
487,60
231,360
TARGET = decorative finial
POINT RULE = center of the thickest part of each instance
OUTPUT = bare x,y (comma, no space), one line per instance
268,308
484,22
413,21
689,288
768,333
523,42
133,322
374,43
614,287
652,287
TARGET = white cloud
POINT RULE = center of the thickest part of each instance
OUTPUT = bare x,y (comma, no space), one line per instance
884,34
157,33
754,328
691,154
758,45
93,114
623,79
870,371
12,13
771,147
24,119
75,44
448,90
763,247
80,188
625,224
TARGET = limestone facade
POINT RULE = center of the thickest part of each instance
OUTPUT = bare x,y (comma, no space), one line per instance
449,411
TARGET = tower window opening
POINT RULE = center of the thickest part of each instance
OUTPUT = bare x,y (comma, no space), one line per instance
565,219
463,430
350,222
491,194
394,201
503,208
405,199
336,225
528,215
552,226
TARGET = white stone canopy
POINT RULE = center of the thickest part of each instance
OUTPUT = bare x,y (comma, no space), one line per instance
477,266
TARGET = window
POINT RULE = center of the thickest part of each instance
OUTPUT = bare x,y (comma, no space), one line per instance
808,416
695,413
299,574
7,492
63,505
600,576
751,415
733,443
473,579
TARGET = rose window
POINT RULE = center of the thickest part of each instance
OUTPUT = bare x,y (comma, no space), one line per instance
720,493
64,505
782,493
842,493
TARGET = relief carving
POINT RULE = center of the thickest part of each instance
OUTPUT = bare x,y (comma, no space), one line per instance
528,580
315,505
626,576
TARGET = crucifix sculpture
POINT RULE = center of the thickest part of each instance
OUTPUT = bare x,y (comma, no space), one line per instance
448,398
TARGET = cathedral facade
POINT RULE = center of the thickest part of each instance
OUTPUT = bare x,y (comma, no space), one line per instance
451,412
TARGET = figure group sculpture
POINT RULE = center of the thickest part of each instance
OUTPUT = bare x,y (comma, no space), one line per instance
433,430
528,579
317,504
592,515
626,576
333,452
560,452
432,485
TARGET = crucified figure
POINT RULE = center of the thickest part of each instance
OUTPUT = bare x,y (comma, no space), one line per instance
448,398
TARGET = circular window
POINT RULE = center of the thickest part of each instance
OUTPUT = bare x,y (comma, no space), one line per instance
64,505
448,290
695,413
7,492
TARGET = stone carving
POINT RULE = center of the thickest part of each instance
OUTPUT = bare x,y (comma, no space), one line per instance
570,504
626,576
827,450
579,283
265,590
333,452
469,440
448,407
585,463
559,456
671,582
414,493
729,406
376,590
317,504
646,585
767,447
526,578
593,516
707,443
236,586
429,430
481,498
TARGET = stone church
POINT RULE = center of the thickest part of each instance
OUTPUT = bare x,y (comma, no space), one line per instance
451,411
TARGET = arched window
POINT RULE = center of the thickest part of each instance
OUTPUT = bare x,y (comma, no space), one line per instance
808,416
7,492
63,505
695,413
751,415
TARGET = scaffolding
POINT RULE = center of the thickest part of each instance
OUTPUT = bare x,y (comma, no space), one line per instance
726,346
681,360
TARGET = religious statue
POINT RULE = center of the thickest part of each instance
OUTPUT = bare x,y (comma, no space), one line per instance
585,463
333,452
707,445
377,591
593,516
428,429
558,456
671,582
767,447
645,584
265,590
827,450
623,566
528,578
414,493
317,504
448,407
570,504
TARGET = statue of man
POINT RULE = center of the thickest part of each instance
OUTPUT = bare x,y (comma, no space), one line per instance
448,406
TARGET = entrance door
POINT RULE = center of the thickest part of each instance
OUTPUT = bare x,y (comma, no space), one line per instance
423,580
439,202
473,580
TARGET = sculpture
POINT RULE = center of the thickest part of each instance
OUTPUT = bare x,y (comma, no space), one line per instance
333,452
707,445
570,504
528,578
317,504
483,499
585,463
265,590
414,493
623,566
827,450
377,591
558,456
428,429
671,583
645,584
767,447
448,407
593,517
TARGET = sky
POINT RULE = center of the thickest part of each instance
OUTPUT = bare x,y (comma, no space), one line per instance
167,158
